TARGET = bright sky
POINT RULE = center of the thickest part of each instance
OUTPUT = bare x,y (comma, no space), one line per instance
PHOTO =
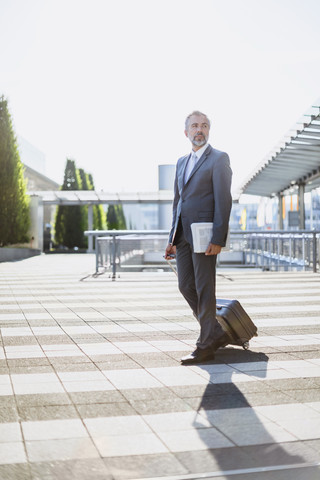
110,82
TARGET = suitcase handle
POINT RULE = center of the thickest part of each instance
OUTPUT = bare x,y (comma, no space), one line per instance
172,267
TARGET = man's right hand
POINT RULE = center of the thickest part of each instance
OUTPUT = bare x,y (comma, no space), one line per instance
170,251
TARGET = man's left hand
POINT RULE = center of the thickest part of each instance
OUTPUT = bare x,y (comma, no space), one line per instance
213,249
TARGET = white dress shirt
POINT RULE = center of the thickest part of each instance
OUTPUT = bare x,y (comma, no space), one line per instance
193,159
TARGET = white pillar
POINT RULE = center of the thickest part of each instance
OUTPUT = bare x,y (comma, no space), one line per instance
165,181
280,213
36,227
90,227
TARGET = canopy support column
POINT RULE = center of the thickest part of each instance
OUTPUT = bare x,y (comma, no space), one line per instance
280,212
302,216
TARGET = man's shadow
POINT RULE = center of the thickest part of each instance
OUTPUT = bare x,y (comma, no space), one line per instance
241,439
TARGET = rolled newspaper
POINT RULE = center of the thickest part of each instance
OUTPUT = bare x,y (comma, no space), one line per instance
201,236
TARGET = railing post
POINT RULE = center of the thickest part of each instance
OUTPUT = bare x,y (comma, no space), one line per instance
314,251
114,253
97,256
290,250
270,251
256,249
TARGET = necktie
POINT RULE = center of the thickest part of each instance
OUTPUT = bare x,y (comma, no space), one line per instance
191,163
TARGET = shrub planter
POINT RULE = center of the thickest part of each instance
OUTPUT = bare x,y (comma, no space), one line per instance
11,254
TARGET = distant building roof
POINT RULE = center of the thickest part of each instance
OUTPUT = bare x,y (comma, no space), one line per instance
37,181
294,161
31,156
34,162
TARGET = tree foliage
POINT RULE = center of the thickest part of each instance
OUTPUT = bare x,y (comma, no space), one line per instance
70,220
115,218
98,212
14,202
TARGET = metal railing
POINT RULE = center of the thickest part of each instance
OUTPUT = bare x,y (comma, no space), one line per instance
129,249
277,250
120,250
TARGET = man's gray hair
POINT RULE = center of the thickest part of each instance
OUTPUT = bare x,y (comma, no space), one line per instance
195,112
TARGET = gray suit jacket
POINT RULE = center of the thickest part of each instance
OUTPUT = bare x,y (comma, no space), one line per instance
206,196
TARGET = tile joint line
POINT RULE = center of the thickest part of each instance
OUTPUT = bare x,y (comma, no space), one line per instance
221,473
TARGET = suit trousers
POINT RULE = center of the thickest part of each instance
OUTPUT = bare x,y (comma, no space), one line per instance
197,283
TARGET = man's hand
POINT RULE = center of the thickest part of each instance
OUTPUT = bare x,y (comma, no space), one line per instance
213,249
170,252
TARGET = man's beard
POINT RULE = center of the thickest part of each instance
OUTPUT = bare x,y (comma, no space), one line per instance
199,143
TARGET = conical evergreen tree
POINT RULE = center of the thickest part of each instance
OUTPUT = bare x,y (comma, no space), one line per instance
84,185
69,224
14,203
121,217
112,220
115,218
84,180
98,212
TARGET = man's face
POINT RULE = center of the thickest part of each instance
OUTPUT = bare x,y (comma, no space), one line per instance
198,130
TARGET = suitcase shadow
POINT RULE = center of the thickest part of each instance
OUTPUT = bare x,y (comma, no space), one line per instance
227,403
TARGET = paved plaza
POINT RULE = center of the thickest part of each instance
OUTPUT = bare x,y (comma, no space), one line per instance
91,385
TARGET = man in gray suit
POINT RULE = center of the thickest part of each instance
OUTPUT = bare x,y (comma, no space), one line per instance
201,194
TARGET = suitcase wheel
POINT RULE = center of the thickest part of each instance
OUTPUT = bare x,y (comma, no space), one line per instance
245,345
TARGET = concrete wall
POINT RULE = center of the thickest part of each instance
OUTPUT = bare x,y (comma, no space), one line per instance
10,254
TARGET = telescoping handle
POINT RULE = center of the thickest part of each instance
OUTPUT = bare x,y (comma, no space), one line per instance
172,267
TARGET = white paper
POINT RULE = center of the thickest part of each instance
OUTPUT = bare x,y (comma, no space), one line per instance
202,234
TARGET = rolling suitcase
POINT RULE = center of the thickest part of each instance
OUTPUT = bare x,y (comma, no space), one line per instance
235,321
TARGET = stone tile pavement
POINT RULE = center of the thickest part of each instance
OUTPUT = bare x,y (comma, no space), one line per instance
91,385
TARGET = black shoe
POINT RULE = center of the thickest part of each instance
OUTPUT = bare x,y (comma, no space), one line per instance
221,341
198,356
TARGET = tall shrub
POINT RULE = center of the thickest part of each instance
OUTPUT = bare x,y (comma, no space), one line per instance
115,218
14,202
97,210
121,217
70,220
99,222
